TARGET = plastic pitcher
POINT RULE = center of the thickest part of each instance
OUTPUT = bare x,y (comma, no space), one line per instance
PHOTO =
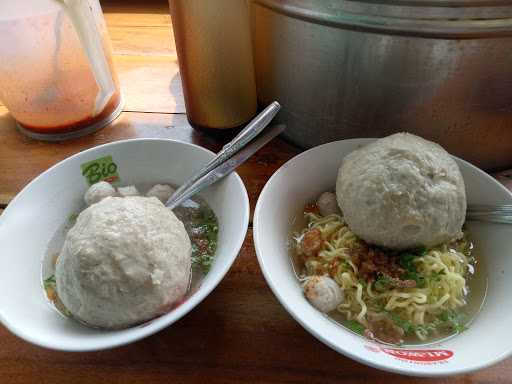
56,73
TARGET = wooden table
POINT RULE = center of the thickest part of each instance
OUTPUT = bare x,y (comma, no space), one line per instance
240,333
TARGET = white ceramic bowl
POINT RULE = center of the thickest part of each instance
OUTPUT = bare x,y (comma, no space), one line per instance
488,339
32,218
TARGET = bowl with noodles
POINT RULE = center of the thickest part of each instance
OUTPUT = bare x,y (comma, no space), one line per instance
433,310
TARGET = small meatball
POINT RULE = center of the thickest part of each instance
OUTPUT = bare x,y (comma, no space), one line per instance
323,293
161,191
98,192
129,190
327,204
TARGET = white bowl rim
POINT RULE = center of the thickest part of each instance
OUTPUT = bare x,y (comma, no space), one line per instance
315,333
139,332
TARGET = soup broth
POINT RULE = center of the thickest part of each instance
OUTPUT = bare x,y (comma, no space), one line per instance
474,291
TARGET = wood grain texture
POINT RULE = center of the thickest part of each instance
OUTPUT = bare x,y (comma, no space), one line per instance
150,83
5,198
239,333
142,40
136,31
145,56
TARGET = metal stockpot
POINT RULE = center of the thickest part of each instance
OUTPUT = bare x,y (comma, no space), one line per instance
342,69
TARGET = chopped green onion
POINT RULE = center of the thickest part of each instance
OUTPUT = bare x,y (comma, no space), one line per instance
354,326
50,282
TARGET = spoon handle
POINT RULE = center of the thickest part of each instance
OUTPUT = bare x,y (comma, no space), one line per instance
226,167
492,213
247,134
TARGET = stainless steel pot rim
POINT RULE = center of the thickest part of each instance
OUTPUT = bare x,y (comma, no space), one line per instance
428,27
439,3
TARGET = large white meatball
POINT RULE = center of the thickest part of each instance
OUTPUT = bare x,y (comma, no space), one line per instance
126,260
402,192
98,192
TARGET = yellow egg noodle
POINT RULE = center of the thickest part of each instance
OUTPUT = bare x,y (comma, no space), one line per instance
418,310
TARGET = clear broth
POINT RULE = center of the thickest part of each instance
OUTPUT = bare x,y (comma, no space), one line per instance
477,284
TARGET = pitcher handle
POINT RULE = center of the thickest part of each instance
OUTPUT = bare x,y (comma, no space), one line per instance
82,18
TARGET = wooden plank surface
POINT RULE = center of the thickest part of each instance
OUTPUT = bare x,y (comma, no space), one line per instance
135,40
145,56
150,83
239,333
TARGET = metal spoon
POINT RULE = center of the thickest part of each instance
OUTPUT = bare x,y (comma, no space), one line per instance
500,213
231,156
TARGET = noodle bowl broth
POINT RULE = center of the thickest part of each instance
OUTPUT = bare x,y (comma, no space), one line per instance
408,298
